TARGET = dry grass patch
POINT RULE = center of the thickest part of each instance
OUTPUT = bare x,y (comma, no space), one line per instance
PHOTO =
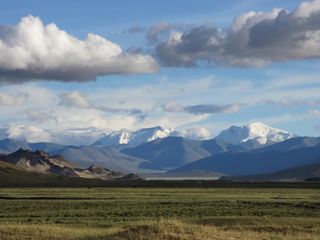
177,230
155,230
52,232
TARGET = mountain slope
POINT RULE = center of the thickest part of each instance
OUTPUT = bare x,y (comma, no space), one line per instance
115,138
134,138
264,160
42,163
97,172
215,146
162,153
254,135
39,162
295,173
9,145
45,146
14,176
168,153
11,174
291,144
106,157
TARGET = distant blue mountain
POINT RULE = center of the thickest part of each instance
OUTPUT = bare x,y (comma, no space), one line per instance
46,146
172,152
283,155
295,173
108,157
9,146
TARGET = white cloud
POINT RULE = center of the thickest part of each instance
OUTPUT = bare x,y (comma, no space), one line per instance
314,112
72,136
198,133
22,132
78,136
32,50
254,40
172,107
39,117
282,119
79,100
10,100
172,120
101,111
74,99
305,9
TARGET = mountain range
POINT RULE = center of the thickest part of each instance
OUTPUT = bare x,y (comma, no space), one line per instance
290,153
135,138
252,150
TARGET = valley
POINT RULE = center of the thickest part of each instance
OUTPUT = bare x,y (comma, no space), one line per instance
160,120
162,213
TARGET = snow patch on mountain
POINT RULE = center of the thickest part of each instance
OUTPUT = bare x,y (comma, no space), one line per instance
135,138
257,132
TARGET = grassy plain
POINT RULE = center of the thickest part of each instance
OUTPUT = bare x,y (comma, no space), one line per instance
159,213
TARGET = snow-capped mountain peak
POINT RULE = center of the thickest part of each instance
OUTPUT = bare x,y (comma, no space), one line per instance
115,138
121,136
135,138
151,134
257,132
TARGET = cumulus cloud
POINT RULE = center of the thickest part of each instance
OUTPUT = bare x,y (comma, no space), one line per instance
9,100
201,108
73,136
24,133
32,50
254,39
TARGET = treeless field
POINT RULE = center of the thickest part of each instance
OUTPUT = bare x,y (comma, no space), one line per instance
159,213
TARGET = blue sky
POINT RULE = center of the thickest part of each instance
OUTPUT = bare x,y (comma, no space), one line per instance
236,87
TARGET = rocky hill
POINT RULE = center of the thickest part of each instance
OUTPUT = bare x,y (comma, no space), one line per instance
40,162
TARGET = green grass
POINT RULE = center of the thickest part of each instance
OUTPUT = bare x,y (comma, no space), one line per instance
131,213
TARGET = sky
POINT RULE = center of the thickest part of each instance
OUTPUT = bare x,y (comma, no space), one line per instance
71,71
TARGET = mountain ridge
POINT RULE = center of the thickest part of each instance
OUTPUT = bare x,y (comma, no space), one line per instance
134,138
254,134
40,162
257,161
